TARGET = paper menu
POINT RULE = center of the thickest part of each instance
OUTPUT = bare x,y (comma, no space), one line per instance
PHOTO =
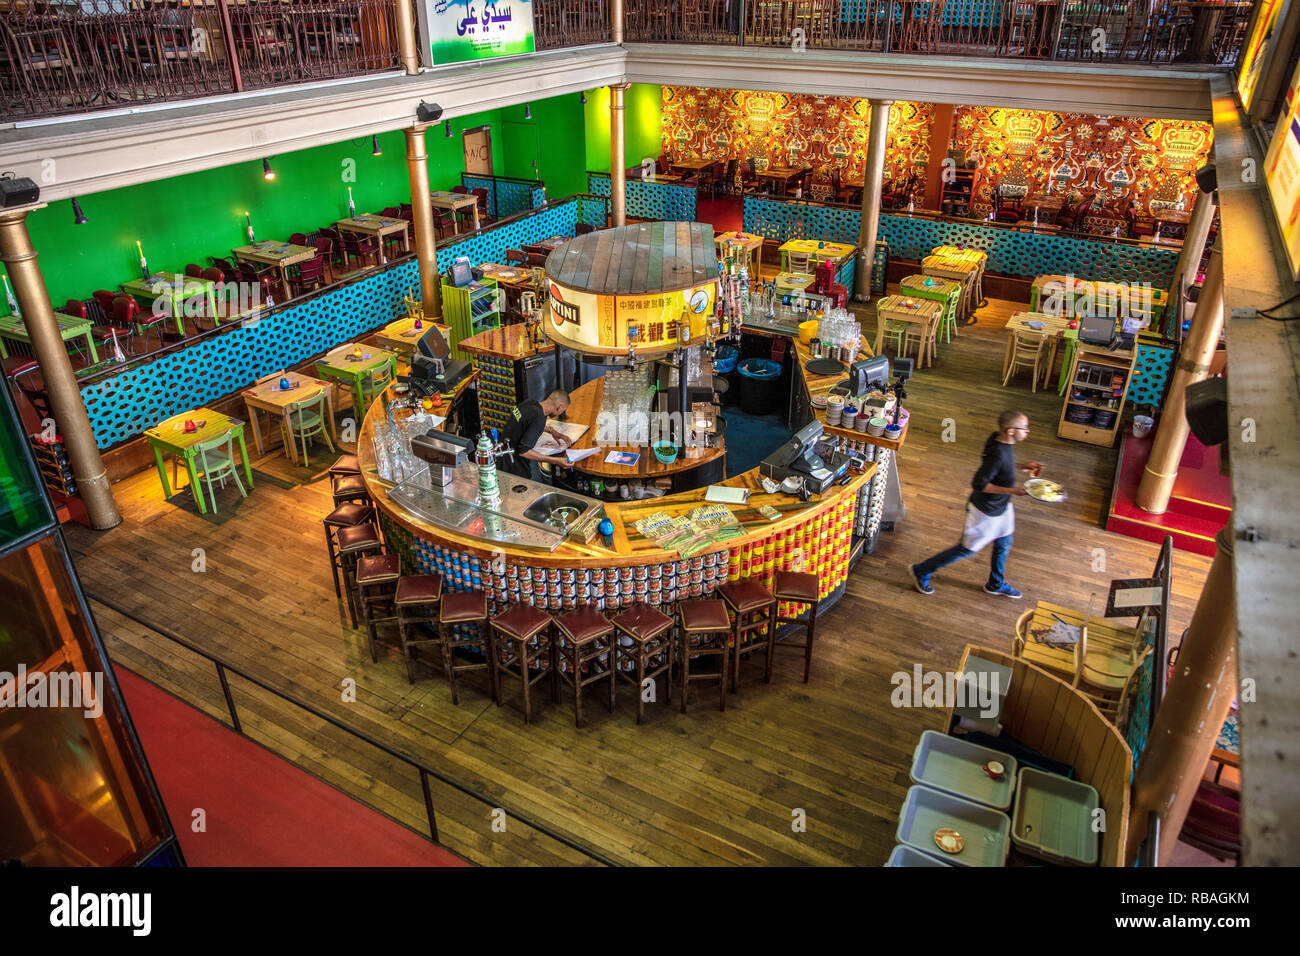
547,445
580,453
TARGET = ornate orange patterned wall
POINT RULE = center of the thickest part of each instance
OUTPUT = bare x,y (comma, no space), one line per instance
791,129
1114,158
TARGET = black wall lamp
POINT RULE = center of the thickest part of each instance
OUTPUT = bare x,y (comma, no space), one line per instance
267,172
374,145
447,128
78,217
528,111
428,112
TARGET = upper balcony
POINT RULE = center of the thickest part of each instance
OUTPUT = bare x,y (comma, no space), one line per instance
62,57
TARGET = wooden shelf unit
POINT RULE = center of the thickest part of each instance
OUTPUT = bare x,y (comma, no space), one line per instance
1095,363
469,311
960,192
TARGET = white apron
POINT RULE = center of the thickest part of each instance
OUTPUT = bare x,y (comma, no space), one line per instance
982,529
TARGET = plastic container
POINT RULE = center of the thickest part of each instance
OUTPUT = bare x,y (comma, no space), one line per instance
876,427
1053,818
1142,425
666,452
955,766
908,856
986,832
757,378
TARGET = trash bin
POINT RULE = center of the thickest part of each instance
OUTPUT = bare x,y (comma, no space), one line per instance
758,380
724,371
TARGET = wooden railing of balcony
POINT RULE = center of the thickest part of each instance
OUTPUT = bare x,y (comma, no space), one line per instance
561,23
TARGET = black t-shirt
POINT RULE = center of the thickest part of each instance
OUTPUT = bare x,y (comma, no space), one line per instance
998,468
525,427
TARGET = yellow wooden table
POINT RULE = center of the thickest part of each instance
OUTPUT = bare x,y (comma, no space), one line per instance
401,336
1103,632
13,327
964,271
170,436
453,202
270,398
351,363
923,312
278,255
793,281
169,291
368,224
818,250
750,245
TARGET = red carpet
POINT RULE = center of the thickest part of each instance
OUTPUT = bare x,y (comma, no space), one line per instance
1200,505
261,810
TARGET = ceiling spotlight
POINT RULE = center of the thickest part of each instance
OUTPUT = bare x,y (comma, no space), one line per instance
428,112
528,111
78,217
446,126
267,172
582,97
374,145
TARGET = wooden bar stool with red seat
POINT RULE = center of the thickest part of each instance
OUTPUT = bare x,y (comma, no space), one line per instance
647,645
459,611
753,608
583,653
705,632
804,591
418,600
348,515
349,488
522,638
345,465
376,577
355,543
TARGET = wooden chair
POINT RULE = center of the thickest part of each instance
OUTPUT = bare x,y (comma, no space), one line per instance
375,381
193,270
298,239
215,460
307,276
798,262
516,257
1027,350
365,248
307,418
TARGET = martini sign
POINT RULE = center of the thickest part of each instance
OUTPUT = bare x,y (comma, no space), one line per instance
460,31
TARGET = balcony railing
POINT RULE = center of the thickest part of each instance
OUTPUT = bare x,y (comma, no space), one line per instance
58,58
1136,31
564,23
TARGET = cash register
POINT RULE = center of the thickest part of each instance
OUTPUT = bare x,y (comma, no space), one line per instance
799,458
431,365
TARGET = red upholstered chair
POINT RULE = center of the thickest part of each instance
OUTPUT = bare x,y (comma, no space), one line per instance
460,190
75,307
298,239
365,248
1139,225
1008,208
228,270
444,223
194,270
307,276
106,328
390,213
325,254
481,194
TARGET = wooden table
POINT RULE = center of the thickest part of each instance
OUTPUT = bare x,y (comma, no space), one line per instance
818,250
546,245
793,281
1177,219
13,327
369,224
1061,660
268,397
1048,208
170,436
923,312
960,270
341,365
1055,326
779,174
944,291
745,240
692,165
1121,295
452,202
175,289
278,255
401,336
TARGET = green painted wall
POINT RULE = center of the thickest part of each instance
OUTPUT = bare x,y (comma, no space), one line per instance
560,124
188,218
643,124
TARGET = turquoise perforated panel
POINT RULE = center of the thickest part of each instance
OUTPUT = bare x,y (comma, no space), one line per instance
1150,373
673,202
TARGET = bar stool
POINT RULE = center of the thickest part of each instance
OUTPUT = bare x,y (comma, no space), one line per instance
354,544
376,577
753,608
522,640
345,465
457,611
794,587
647,632
347,515
705,632
349,488
417,601
583,653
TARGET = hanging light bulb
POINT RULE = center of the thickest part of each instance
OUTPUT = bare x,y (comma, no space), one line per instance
374,145
267,172
78,217
528,111
447,128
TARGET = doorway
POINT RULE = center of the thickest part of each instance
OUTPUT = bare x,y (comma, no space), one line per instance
478,151
520,147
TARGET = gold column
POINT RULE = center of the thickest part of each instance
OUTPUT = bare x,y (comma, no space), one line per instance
426,247
1198,229
1193,366
1196,703
617,157
616,21
873,181
65,398
408,46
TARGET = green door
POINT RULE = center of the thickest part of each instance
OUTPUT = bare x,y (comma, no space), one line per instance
519,146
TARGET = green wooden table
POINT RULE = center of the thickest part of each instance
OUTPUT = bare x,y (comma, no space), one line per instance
944,291
344,364
70,327
170,436
1139,301
175,290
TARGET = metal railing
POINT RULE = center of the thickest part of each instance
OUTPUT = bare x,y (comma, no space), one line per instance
59,58
426,772
563,23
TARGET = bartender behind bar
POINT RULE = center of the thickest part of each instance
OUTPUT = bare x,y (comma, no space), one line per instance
527,423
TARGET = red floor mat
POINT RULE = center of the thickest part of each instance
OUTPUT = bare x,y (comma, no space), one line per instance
260,810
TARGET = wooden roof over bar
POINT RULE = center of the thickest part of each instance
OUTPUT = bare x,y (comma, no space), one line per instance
641,258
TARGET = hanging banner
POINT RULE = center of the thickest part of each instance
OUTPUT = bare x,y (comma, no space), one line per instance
459,31
652,322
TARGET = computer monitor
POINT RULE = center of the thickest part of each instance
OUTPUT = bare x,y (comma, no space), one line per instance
433,344
1097,329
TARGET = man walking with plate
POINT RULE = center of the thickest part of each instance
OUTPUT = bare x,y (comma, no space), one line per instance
990,517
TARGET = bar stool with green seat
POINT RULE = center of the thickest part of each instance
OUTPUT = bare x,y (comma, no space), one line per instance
753,610
306,419
216,460
521,636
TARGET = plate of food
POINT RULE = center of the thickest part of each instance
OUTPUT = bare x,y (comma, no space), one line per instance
1045,490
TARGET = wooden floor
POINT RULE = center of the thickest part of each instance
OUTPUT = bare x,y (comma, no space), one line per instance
701,788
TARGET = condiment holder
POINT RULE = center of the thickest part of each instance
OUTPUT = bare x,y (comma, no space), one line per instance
849,417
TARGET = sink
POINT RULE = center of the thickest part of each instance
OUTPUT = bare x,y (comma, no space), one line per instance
542,508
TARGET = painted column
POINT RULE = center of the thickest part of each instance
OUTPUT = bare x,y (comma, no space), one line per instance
940,136
1196,703
1193,366
426,247
1189,259
617,157
616,21
873,180
408,46
56,369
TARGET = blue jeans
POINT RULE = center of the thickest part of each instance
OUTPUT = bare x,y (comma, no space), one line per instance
1001,548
